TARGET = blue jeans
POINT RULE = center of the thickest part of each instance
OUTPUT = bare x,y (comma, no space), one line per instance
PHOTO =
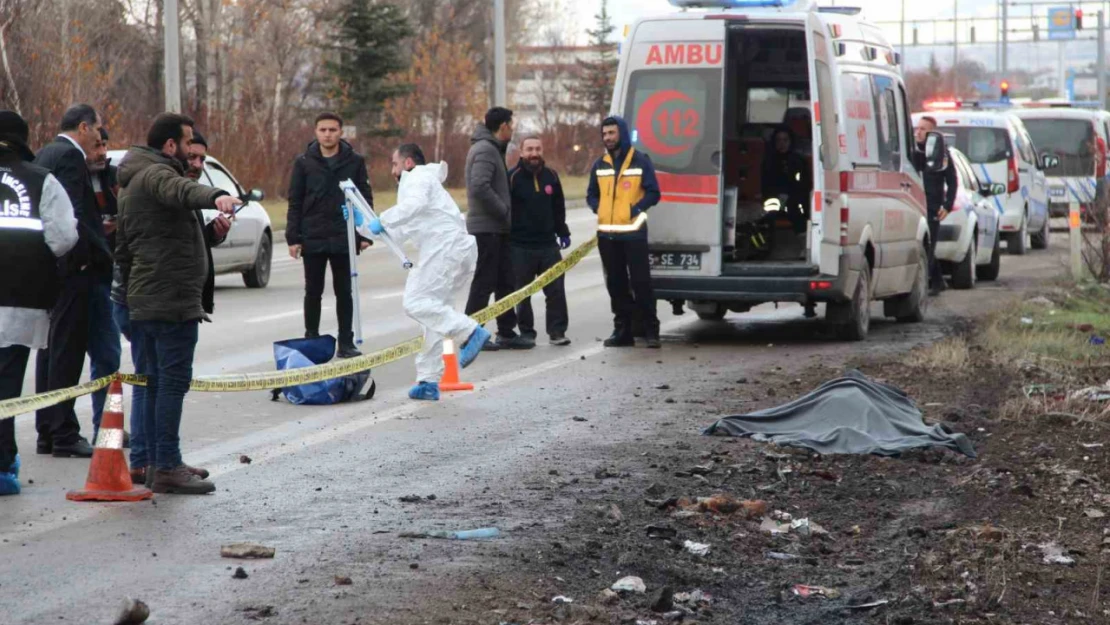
165,355
104,346
122,316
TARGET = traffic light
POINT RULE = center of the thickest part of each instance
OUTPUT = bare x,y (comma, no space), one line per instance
1079,19
1004,91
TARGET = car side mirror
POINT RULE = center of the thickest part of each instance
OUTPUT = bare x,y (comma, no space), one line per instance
935,152
992,189
1048,161
255,195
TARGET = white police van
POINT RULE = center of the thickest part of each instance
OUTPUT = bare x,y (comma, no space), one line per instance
968,243
1078,138
705,90
1000,150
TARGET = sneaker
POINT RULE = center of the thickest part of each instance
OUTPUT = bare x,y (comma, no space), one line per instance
560,340
477,343
619,338
427,391
348,351
491,346
653,341
180,481
139,474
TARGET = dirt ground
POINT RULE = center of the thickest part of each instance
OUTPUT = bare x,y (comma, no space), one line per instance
1016,535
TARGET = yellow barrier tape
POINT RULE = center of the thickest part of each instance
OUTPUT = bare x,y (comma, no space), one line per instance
280,379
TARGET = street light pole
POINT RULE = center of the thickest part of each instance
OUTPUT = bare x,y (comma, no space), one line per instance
500,88
171,56
1100,65
1005,36
956,48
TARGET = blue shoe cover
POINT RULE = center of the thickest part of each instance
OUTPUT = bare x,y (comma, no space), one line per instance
478,338
15,466
9,484
425,390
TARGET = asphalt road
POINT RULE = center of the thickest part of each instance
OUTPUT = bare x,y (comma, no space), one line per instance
324,480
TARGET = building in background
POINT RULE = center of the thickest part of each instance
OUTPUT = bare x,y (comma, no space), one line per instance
543,81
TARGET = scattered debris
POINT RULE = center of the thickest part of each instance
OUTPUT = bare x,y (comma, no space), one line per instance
1096,340
806,592
664,601
629,584
410,499
1026,321
774,527
132,612
805,527
663,387
1093,393
697,549
693,598
660,531
778,555
1093,513
608,597
614,514
561,599
869,605
244,459
240,573
1054,554
1040,301
246,550
257,613
343,580
579,419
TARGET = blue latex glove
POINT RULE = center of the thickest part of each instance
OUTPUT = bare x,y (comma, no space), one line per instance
358,216
376,226
564,242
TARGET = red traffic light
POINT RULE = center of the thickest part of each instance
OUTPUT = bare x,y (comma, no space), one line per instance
1079,19
1005,86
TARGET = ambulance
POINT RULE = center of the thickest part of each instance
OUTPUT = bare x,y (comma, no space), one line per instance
711,93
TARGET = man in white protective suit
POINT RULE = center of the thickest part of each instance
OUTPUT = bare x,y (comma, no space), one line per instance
427,215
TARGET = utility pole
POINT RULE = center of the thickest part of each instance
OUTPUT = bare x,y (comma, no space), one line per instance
1100,64
500,88
956,48
902,37
1005,36
1061,70
171,55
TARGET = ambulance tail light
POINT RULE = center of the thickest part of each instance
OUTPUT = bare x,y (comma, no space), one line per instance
845,217
1013,182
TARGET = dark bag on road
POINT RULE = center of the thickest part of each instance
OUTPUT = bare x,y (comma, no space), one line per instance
298,353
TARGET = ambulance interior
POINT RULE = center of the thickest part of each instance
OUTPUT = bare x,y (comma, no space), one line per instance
767,161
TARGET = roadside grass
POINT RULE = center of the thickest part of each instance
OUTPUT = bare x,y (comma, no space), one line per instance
950,354
574,188
1048,344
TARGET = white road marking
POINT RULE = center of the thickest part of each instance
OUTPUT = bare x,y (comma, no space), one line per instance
284,315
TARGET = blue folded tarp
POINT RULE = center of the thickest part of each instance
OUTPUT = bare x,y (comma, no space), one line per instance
298,353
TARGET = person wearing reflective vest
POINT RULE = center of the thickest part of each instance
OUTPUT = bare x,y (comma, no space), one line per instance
622,189
37,226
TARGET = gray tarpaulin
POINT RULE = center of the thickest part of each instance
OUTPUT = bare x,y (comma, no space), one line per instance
848,415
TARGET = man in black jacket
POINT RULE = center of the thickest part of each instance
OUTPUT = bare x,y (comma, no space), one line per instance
316,229
940,195
539,230
85,267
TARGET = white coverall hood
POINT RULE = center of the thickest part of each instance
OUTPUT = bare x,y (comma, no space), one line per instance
427,216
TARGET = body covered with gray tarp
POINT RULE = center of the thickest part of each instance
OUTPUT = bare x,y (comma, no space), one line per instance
848,415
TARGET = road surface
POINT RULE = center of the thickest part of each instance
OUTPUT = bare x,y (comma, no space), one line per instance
324,483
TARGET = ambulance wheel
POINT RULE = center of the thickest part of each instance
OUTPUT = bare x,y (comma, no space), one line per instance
853,318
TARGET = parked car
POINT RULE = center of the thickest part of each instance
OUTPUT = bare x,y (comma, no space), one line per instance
969,242
704,93
999,149
249,246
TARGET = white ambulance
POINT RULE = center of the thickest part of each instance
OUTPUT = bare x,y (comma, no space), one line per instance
708,93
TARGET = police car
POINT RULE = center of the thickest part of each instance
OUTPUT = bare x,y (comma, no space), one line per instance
706,89
969,241
248,248
999,149
1078,138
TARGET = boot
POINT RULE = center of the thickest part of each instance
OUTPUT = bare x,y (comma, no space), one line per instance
621,337
348,351
651,335
180,481
78,449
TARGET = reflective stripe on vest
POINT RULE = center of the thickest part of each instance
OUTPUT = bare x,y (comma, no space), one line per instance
633,172
636,224
606,172
21,223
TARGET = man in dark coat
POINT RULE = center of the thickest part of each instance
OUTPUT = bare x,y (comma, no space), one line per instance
165,261
87,266
316,229
940,196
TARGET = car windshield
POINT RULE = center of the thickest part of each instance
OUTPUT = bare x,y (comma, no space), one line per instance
980,145
1072,140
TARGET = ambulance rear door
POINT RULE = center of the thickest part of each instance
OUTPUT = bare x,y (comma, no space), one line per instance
670,90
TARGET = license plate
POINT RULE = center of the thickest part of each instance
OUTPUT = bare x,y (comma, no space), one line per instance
675,260
1057,192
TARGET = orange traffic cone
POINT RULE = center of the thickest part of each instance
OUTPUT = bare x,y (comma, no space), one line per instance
109,479
450,381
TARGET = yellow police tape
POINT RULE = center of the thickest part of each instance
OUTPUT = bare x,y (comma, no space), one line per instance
295,377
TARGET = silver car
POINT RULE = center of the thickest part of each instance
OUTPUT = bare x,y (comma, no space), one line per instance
249,246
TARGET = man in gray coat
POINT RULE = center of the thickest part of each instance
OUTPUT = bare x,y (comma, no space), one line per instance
165,262
489,220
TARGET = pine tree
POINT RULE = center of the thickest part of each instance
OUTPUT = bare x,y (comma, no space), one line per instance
367,56
595,84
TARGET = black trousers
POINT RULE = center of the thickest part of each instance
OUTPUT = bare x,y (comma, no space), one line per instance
493,276
936,278
13,364
60,364
628,280
528,263
315,270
